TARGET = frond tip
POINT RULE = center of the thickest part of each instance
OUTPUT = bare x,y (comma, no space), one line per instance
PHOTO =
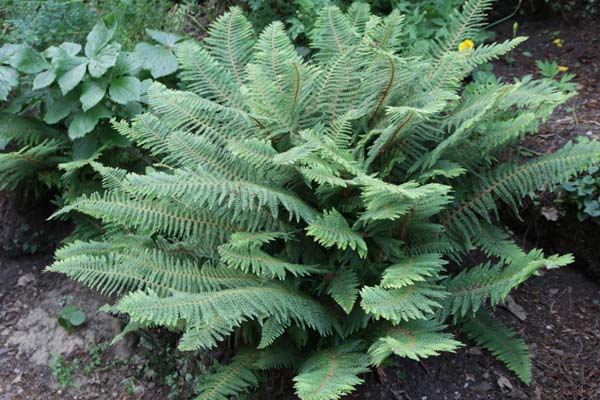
332,373
501,342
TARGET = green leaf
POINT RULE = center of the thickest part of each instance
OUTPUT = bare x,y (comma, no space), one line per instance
97,39
125,89
44,79
85,122
27,60
156,58
71,317
61,108
72,49
165,38
104,59
127,64
71,78
8,50
9,78
93,92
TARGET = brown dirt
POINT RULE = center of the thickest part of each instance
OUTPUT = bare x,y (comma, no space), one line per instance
31,339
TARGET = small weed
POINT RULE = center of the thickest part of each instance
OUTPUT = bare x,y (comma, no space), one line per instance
63,371
129,384
71,318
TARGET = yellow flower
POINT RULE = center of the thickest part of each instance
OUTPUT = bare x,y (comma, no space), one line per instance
558,42
466,45
562,68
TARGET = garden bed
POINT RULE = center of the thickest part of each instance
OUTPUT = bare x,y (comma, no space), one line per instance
558,313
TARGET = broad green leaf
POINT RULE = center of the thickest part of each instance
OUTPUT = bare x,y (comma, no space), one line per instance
84,122
93,92
9,78
85,147
61,108
70,48
71,78
44,79
125,89
8,50
165,38
156,58
27,60
104,59
127,64
99,37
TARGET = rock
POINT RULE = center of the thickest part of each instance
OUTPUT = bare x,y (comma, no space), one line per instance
26,280
516,309
124,348
476,351
482,387
504,383
17,379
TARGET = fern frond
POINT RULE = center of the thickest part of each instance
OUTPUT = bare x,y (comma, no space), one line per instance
210,192
271,330
27,131
412,270
332,229
18,166
208,335
330,374
247,256
415,340
343,288
469,290
231,304
509,183
231,380
202,74
501,341
333,34
230,41
396,305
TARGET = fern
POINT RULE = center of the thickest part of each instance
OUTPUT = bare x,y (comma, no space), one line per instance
235,378
501,342
415,340
331,373
319,210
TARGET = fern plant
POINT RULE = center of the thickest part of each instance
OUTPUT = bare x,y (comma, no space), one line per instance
321,210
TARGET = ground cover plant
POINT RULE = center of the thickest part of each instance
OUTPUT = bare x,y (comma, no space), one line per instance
43,23
320,212
58,103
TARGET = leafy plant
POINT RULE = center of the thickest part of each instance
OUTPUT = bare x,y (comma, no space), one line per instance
58,104
71,317
42,23
63,371
424,20
582,192
551,70
320,210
